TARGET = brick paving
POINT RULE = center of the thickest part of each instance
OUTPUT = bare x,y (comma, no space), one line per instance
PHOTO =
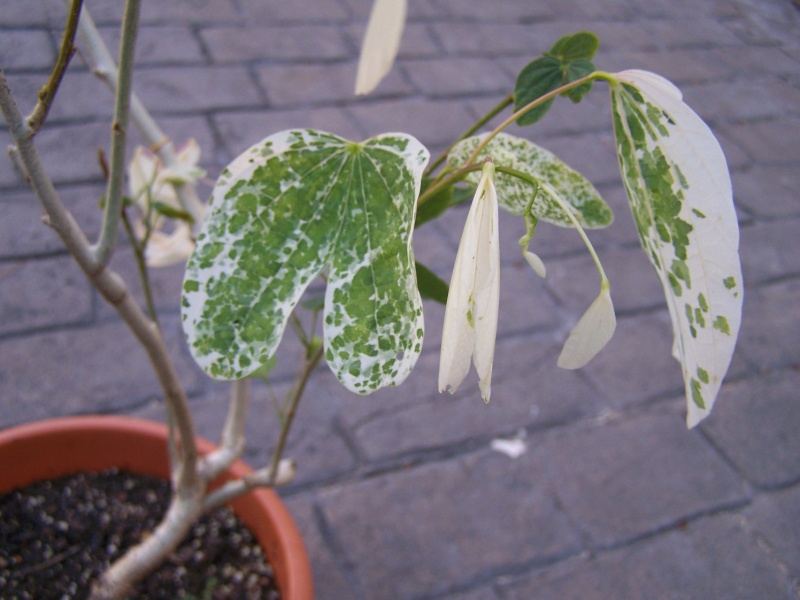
399,495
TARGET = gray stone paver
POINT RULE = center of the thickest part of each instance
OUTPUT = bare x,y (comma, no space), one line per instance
398,495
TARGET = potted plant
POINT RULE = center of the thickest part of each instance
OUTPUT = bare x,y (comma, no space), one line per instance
302,204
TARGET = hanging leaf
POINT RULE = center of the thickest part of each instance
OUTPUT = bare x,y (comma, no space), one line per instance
514,195
431,287
680,194
295,204
568,60
434,206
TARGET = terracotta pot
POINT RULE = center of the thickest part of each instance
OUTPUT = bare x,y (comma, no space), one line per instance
52,448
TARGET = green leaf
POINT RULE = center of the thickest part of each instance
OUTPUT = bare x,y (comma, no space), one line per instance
578,46
576,70
431,287
539,77
568,60
680,194
295,204
434,206
514,195
172,212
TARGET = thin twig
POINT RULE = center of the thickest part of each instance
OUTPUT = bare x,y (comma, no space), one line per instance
311,363
266,477
141,265
46,95
232,441
104,248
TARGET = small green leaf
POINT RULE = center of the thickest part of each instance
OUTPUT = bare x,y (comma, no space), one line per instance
172,212
295,204
431,287
539,77
568,60
578,46
514,195
680,195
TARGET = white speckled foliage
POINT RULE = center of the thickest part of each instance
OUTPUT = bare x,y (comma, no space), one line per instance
514,195
680,194
294,205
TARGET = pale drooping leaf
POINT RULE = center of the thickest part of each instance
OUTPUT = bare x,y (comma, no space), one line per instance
296,204
680,194
514,195
591,333
381,43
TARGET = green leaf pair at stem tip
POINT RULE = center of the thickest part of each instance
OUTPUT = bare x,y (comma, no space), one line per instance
568,60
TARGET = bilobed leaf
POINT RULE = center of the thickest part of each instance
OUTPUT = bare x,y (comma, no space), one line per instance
514,195
295,204
431,287
680,195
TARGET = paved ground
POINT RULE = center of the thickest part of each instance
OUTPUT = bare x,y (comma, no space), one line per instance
399,495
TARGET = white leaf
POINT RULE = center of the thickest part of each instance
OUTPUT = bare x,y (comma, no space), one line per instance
590,334
680,194
381,43
470,320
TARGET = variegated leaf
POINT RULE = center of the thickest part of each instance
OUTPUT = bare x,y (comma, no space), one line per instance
514,195
290,207
680,194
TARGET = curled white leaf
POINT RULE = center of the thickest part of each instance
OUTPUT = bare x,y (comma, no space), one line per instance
381,43
591,333
470,320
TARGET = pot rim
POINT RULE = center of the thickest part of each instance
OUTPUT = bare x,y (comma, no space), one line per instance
64,445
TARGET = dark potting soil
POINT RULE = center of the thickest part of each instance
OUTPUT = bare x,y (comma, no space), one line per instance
57,536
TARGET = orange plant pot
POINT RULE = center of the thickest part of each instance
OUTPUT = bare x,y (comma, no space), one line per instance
53,448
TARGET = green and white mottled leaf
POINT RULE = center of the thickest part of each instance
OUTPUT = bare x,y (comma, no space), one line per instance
514,195
680,194
295,204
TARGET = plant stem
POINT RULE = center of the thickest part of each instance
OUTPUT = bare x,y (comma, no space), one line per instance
48,93
232,439
477,125
141,265
106,281
97,55
550,191
104,248
311,362
120,577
